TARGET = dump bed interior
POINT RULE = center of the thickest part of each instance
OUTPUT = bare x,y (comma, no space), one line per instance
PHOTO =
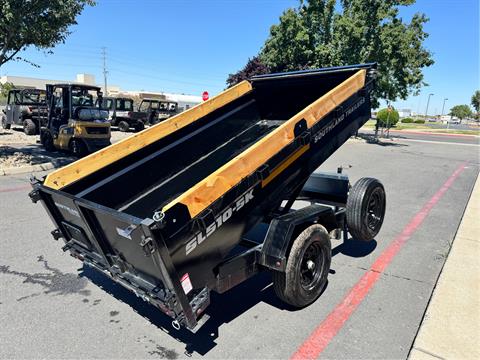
152,176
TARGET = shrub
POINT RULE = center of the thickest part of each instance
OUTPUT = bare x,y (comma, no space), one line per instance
419,121
384,116
407,120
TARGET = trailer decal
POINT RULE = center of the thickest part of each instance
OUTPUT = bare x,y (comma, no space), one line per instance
325,130
186,283
68,209
221,219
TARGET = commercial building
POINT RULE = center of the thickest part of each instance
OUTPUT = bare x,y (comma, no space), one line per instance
184,101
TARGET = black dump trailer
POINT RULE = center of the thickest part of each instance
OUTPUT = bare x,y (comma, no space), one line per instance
202,201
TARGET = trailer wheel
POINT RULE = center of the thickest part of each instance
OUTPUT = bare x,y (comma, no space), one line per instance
307,268
123,126
139,126
4,123
78,148
29,127
365,209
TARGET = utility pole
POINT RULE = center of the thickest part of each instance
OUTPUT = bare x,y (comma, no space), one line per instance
428,102
443,108
105,72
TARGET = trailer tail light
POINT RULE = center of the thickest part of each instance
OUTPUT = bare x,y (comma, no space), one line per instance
129,114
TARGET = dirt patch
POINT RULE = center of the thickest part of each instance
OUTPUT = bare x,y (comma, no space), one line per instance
11,158
19,150
16,136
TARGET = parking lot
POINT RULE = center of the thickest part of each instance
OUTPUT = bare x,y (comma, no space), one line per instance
51,306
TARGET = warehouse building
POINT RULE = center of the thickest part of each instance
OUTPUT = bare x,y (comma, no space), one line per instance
184,101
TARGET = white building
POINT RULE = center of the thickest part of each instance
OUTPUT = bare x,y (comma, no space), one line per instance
404,113
35,83
184,101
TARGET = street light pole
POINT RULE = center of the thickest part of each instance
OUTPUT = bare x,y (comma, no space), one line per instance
428,102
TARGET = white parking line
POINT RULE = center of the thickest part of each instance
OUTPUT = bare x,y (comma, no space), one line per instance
438,142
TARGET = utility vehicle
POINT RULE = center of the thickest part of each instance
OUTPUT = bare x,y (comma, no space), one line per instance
27,108
157,110
121,113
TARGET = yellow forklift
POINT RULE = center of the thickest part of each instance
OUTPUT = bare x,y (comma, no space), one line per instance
75,123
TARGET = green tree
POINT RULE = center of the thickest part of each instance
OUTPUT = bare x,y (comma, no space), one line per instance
4,89
316,35
476,101
387,118
39,23
461,111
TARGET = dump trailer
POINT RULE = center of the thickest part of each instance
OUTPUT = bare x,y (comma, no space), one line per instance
208,198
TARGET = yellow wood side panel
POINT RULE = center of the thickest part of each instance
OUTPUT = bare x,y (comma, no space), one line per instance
117,151
200,196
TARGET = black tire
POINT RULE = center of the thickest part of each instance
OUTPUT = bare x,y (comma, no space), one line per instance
29,127
4,123
139,126
123,126
302,283
78,147
47,141
365,209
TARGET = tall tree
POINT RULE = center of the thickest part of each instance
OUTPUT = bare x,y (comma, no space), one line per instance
316,35
476,101
461,111
39,23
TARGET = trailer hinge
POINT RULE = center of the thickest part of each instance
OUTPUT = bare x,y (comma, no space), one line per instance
148,245
67,246
57,234
119,263
305,138
34,195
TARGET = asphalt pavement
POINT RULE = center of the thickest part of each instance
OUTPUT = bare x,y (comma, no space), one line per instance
53,307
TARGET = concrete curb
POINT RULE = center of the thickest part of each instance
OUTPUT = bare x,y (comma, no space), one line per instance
27,169
451,326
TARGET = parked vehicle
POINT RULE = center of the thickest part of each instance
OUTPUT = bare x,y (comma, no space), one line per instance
75,123
156,110
27,108
206,197
121,113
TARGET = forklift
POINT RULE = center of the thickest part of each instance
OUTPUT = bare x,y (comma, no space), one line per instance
75,123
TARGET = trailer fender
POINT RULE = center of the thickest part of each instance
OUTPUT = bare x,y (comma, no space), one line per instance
282,229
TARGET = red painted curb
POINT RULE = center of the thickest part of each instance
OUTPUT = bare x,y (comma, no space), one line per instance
19,188
319,339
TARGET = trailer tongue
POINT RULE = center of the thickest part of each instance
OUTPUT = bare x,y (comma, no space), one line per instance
203,200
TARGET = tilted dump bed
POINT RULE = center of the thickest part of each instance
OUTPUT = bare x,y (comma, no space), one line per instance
148,210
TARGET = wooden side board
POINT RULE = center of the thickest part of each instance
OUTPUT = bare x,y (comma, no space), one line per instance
88,165
200,196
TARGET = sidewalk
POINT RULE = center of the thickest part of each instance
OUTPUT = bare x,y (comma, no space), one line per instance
451,326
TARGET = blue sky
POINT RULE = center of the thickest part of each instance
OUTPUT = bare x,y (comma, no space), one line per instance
190,46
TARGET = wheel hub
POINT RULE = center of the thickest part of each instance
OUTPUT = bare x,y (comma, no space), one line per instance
311,268
310,265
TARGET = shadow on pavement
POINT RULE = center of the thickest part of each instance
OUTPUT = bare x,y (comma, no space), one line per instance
31,155
370,139
355,248
224,307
